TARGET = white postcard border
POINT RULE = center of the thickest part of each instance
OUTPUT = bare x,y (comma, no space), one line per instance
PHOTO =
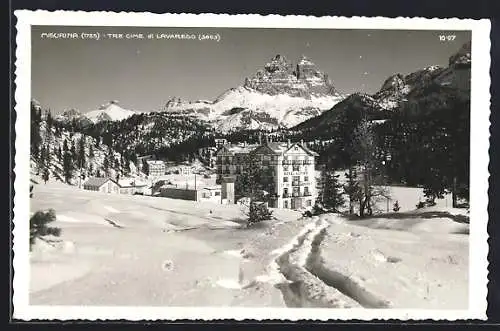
480,111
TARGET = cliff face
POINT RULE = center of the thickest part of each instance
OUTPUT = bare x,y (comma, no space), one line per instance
280,76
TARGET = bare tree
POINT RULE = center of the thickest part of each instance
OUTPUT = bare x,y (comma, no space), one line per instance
365,148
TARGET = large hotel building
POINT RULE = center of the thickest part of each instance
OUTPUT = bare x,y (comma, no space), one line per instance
292,165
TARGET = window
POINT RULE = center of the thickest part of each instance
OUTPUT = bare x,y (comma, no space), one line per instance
306,179
285,204
285,179
217,193
308,203
295,167
285,191
285,168
306,190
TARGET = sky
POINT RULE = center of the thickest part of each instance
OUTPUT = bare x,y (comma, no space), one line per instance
143,74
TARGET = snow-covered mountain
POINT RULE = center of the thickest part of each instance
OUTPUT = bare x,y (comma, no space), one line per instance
279,95
111,111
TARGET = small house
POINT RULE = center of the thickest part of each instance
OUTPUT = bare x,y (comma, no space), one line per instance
101,184
156,168
212,194
132,187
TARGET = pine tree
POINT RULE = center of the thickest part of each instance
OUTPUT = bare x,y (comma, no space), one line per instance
255,183
59,153
49,120
352,189
45,175
36,139
331,195
42,160
145,167
105,164
73,150
67,162
81,152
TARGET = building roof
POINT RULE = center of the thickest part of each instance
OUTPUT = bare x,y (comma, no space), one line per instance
304,147
213,188
275,147
158,162
125,184
313,153
239,149
98,181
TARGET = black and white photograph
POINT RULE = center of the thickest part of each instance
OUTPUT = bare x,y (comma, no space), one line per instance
231,166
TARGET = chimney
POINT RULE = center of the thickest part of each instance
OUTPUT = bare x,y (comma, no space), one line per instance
245,144
288,144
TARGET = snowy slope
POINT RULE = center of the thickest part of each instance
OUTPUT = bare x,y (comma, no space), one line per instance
95,154
231,107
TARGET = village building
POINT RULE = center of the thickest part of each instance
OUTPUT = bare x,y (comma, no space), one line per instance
219,142
292,166
185,170
132,187
156,168
101,184
203,194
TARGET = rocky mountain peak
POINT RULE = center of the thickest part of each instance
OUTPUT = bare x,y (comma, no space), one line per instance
278,65
394,82
109,104
280,76
462,57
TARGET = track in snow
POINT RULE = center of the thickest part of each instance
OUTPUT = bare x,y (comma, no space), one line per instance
310,284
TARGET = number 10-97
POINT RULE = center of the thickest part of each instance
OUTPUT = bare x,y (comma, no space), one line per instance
447,37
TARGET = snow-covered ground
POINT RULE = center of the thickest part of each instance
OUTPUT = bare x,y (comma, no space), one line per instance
140,250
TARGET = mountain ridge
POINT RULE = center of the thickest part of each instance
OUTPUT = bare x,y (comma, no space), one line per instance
279,95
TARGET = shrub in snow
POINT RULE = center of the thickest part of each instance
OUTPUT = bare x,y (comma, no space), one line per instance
258,212
396,207
39,225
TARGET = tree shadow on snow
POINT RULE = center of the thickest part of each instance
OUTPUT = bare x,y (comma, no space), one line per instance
413,215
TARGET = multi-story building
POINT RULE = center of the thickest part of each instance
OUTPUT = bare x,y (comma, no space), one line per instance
292,166
156,168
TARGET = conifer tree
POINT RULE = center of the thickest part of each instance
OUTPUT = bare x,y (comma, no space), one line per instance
67,162
45,174
36,139
81,152
255,183
331,194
